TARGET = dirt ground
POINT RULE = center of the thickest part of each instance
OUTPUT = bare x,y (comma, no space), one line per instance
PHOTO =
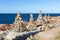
50,34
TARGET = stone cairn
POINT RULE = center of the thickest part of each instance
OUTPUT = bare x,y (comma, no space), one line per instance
39,19
31,25
18,23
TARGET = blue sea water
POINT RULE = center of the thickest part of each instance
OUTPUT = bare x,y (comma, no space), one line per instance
8,18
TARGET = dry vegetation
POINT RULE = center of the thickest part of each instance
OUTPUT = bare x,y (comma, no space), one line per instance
58,37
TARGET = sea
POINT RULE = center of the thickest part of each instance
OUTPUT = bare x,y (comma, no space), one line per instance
9,18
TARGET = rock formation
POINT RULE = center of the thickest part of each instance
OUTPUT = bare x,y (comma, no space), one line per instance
32,24
39,19
19,23
4,27
49,18
45,18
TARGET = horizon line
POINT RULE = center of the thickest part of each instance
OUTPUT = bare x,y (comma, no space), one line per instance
20,12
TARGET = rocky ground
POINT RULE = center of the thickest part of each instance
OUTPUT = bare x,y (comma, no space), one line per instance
50,34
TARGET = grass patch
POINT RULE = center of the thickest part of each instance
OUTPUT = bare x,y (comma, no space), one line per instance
57,38
59,32
32,38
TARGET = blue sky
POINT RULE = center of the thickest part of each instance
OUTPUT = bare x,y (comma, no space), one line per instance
27,6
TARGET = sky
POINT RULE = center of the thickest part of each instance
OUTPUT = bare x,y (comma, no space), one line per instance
27,6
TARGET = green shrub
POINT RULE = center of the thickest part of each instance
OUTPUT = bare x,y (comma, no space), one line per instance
32,38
